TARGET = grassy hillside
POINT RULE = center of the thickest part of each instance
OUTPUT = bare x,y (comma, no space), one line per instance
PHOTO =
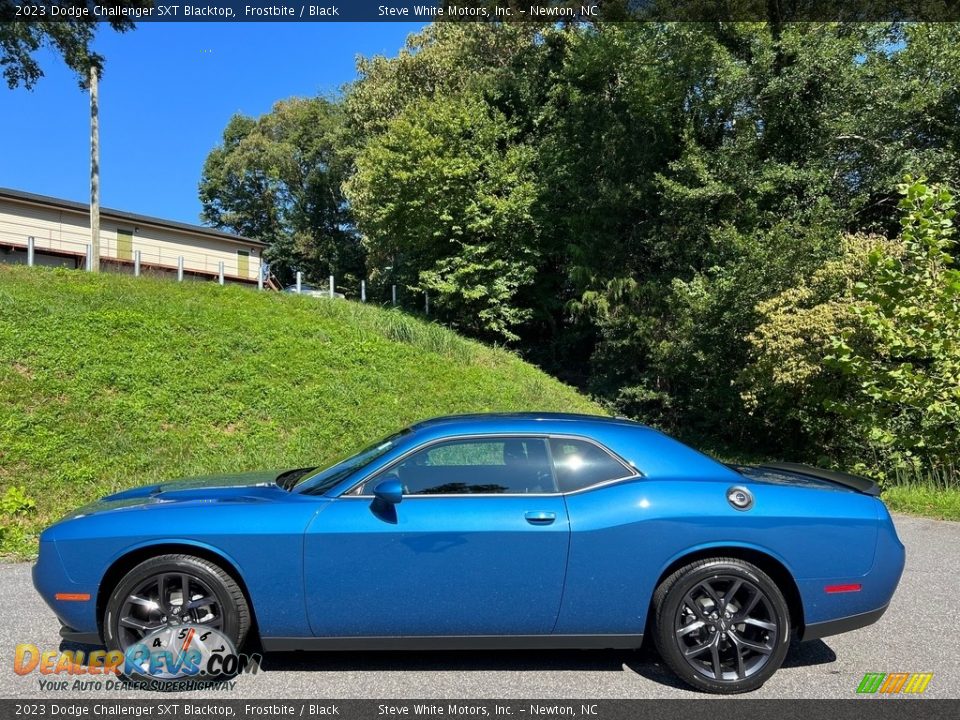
109,381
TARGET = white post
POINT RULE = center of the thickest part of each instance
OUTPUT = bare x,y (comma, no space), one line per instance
331,287
30,249
89,257
299,281
221,272
363,291
426,302
394,293
136,263
260,277
94,257
180,269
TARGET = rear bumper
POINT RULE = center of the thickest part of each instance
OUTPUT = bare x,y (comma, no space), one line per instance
832,614
815,631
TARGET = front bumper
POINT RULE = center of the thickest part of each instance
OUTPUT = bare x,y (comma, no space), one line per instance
51,579
81,638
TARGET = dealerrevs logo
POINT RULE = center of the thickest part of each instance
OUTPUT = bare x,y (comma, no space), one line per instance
170,655
186,651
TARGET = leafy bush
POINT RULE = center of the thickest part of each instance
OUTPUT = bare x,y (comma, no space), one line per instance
788,382
15,501
860,364
903,355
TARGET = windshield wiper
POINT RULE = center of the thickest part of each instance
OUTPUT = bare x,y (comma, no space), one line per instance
289,478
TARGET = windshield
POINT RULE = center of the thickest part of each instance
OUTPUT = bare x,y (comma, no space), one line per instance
326,479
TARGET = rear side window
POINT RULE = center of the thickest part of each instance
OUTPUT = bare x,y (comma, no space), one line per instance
579,464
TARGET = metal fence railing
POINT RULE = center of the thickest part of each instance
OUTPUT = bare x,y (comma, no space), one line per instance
137,253
145,257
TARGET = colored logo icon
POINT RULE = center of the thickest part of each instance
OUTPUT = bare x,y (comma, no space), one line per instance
894,683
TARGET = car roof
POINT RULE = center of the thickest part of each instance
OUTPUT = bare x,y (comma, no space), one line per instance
653,454
656,455
544,421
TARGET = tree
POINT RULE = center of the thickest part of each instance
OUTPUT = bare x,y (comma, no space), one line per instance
443,197
69,35
698,170
442,60
682,174
278,179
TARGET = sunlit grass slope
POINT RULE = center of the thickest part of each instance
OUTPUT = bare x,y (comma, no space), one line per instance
109,381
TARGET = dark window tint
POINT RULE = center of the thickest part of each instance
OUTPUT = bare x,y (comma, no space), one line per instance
489,465
580,464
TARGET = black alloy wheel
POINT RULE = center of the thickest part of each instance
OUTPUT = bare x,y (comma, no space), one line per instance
175,591
722,625
167,599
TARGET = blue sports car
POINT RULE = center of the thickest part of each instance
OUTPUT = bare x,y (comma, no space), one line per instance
490,531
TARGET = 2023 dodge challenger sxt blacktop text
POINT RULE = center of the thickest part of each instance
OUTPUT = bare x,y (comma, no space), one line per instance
490,531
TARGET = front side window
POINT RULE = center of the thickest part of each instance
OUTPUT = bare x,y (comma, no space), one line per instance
579,464
319,483
470,466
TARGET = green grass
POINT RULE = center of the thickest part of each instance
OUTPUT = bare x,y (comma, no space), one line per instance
930,502
933,491
109,381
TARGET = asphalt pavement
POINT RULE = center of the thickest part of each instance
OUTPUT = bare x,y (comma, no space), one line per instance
919,633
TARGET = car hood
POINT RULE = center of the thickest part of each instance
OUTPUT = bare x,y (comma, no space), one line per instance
260,486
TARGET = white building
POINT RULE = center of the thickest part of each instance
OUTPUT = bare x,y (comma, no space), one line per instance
61,235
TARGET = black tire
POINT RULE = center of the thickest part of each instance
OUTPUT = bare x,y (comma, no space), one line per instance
233,618
696,631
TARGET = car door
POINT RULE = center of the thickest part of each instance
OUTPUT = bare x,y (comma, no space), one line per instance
477,546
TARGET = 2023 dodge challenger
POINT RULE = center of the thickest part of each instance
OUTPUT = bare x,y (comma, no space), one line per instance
490,531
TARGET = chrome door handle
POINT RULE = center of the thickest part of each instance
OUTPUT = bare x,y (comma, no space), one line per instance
540,518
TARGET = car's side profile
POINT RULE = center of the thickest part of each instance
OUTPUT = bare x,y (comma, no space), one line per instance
490,531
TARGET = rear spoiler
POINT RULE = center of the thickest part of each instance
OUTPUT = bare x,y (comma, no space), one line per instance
854,482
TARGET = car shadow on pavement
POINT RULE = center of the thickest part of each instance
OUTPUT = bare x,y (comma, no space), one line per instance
812,652
649,665
644,662
438,660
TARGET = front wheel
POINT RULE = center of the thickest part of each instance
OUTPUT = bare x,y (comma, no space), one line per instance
722,625
176,600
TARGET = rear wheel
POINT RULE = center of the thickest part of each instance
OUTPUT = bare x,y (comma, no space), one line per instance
722,625
175,592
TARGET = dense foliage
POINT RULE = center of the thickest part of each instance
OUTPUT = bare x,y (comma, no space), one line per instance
684,219
903,352
862,360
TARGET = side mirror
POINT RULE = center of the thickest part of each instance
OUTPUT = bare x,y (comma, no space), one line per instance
389,491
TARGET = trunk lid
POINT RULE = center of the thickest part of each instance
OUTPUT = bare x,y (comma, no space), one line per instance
806,475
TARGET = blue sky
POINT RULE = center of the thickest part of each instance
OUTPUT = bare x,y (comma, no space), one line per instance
167,92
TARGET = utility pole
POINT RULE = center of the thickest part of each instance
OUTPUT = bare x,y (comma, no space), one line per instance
94,169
